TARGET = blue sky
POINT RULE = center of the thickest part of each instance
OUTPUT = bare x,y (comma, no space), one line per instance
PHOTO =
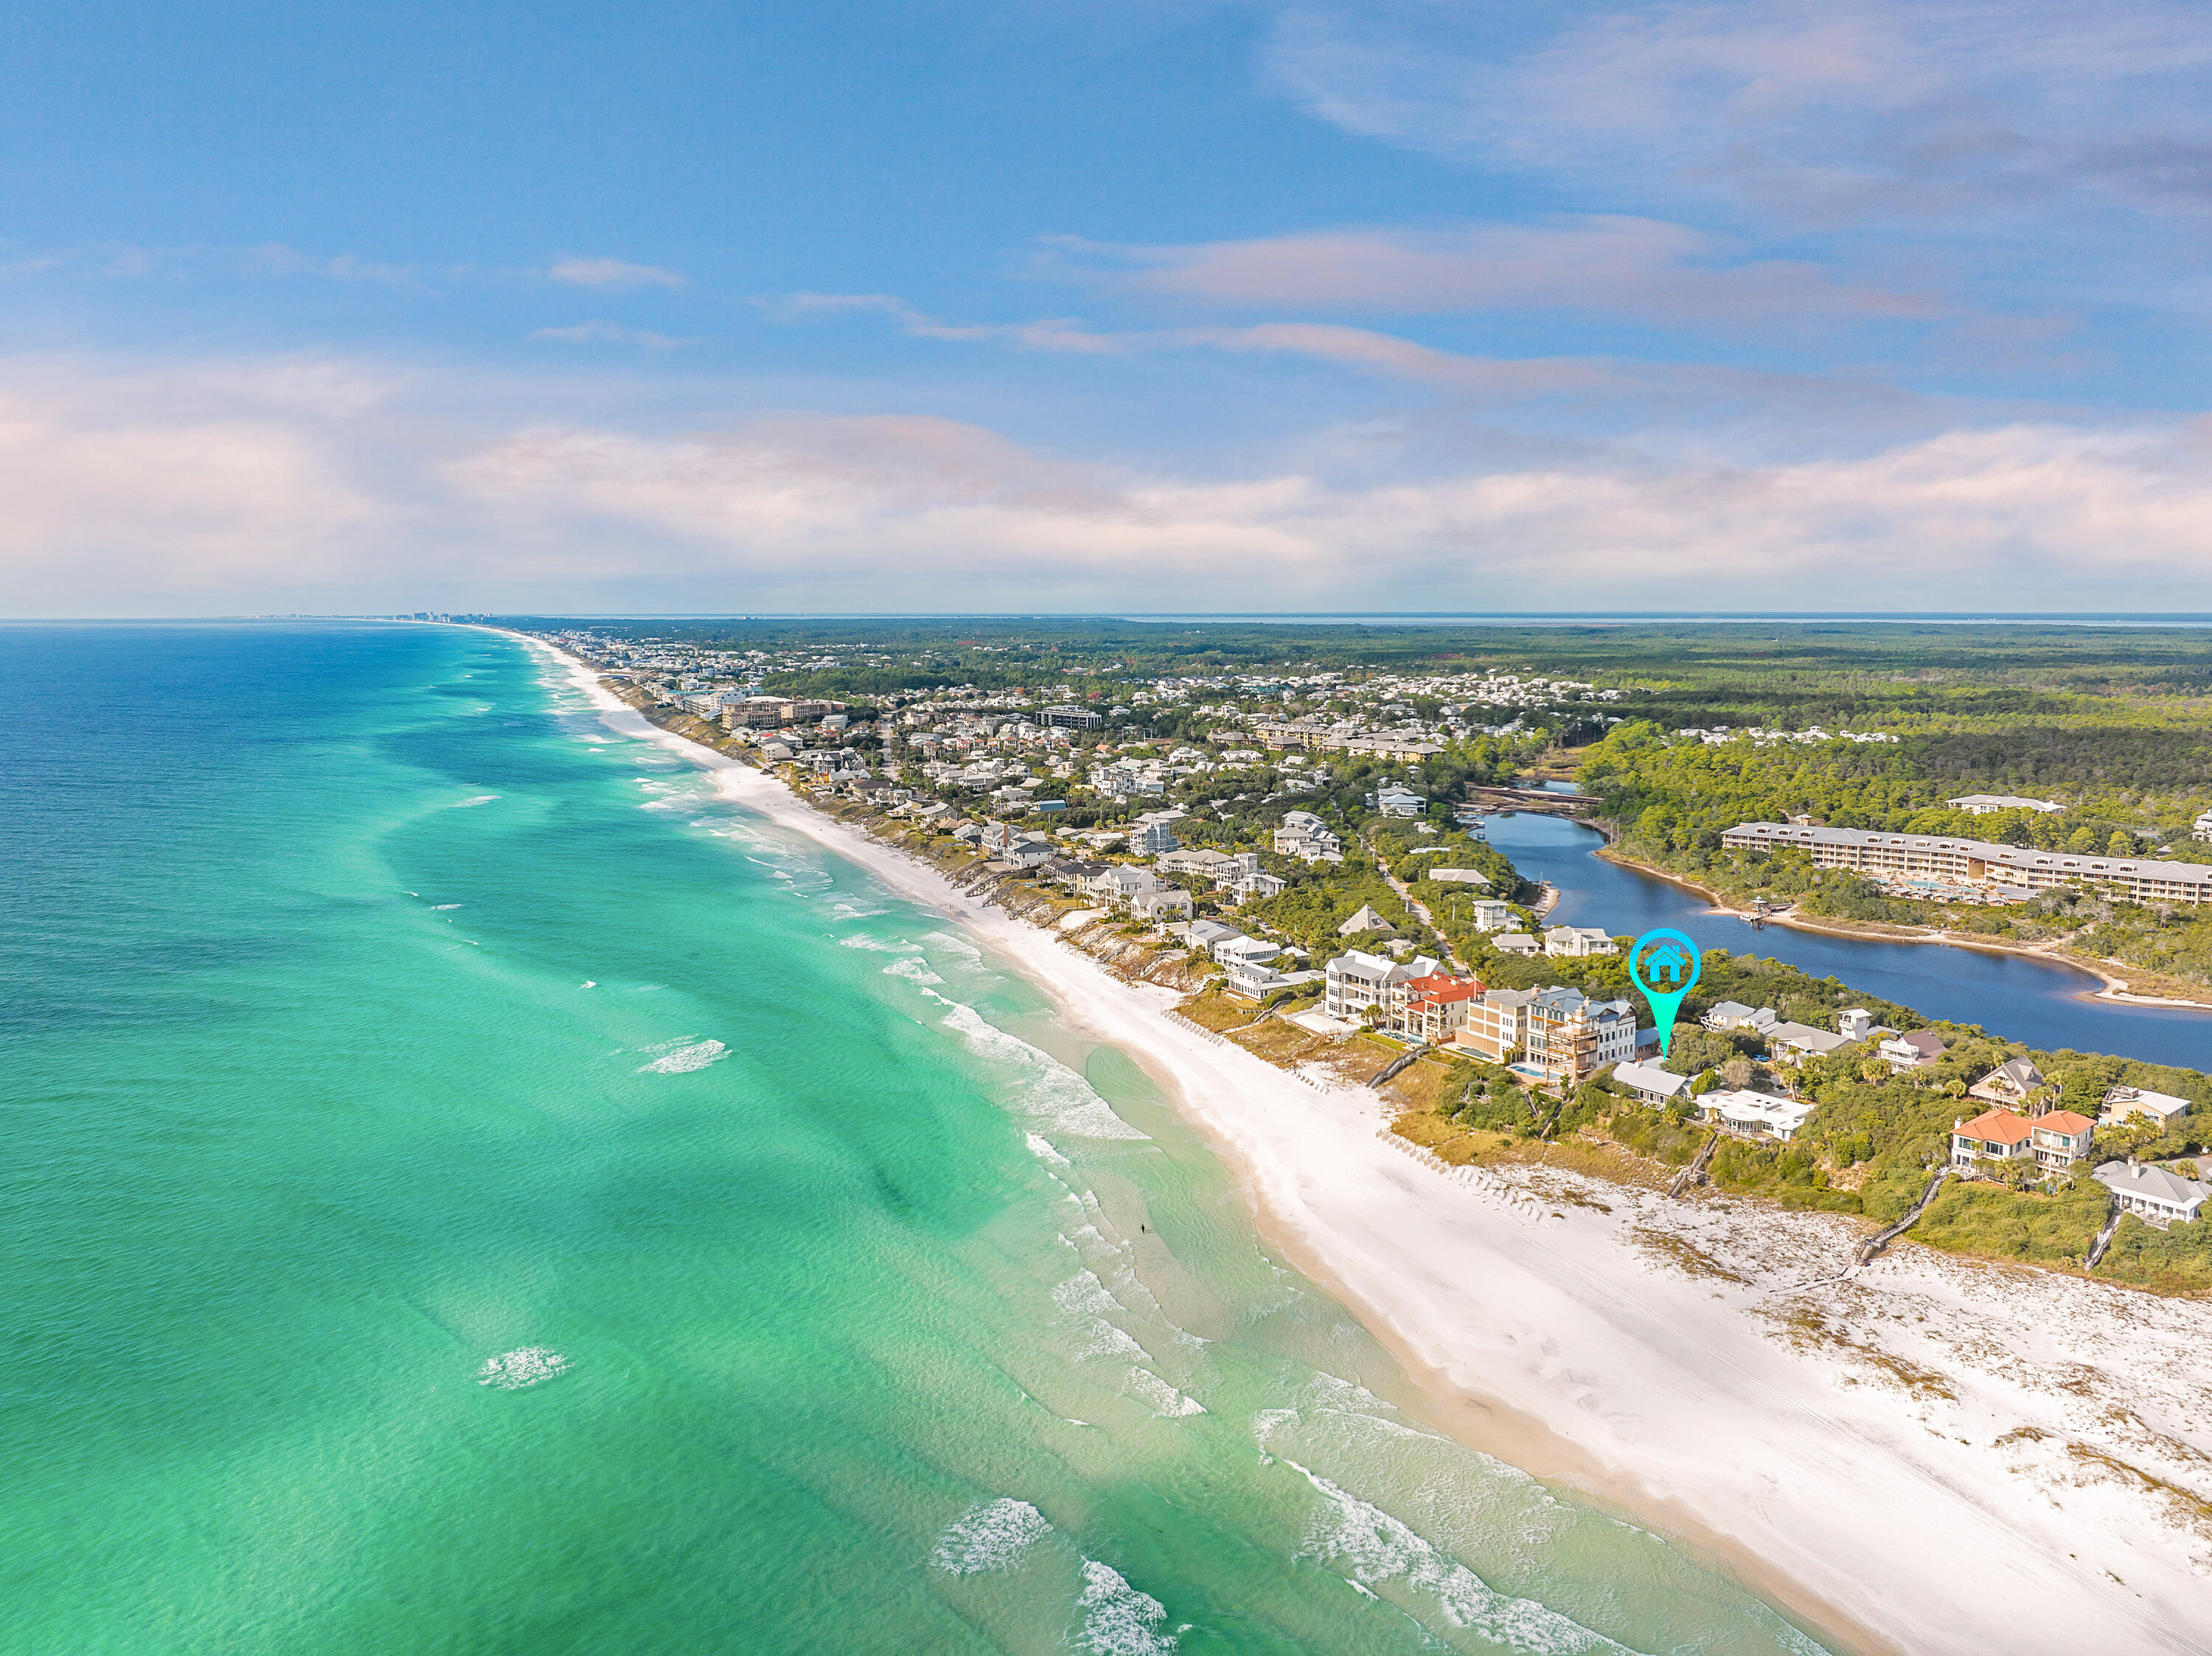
1148,306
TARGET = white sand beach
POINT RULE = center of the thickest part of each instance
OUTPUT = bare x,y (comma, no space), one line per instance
1934,1456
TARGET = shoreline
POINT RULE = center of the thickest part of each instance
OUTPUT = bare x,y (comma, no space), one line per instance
2114,992
1552,1345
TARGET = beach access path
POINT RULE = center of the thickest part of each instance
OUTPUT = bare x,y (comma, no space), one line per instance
1794,1437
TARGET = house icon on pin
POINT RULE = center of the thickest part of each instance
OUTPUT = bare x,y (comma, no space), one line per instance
1667,959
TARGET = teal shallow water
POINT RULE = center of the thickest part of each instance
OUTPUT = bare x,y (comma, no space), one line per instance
375,1285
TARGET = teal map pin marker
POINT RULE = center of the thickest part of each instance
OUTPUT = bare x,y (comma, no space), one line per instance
1665,965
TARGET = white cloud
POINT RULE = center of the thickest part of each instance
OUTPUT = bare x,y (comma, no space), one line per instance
1814,111
613,273
610,333
1361,348
274,259
1623,266
940,515
296,483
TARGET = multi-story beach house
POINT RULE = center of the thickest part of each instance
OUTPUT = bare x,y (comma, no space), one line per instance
1571,1036
1993,1136
1497,1026
1151,839
2126,1103
1573,941
1912,1052
2011,1084
2060,1138
1435,1008
1355,981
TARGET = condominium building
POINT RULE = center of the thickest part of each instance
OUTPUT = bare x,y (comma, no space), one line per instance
1977,862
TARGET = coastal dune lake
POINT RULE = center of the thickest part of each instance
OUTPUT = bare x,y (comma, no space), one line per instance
469,1189
2041,1003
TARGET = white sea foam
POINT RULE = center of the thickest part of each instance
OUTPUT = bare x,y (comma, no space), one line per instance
1379,1548
911,970
1117,1619
682,1056
879,945
1083,1300
991,1537
436,909
1048,1088
951,942
1164,1398
481,799
1042,1149
511,1371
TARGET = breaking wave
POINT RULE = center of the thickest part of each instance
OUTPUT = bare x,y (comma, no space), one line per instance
511,1371
1164,1398
1379,1548
990,1537
1083,1300
678,1058
1117,1619
1048,1090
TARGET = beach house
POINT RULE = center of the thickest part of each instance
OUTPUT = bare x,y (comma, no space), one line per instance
1355,981
2125,1103
1753,1115
2010,1083
1497,1024
1648,1083
1573,941
2060,1138
1993,1136
1435,1007
2154,1194
1915,1051
1571,1036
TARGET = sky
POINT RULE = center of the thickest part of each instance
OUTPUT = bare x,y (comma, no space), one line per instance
1157,305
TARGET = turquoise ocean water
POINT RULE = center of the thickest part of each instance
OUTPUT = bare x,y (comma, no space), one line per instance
469,1189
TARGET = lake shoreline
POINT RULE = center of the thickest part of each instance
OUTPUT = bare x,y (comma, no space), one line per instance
1549,1342
2114,990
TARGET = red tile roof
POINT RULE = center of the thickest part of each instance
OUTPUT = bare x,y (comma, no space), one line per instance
1997,1127
1440,988
2065,1121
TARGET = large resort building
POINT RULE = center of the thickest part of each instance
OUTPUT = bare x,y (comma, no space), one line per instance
1977,862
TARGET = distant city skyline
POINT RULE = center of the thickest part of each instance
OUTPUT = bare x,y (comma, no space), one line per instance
1288,307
